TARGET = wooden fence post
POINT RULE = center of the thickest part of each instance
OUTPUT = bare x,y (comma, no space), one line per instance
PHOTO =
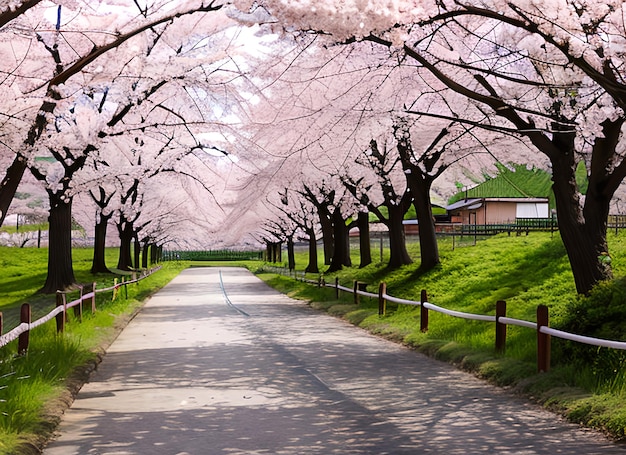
500,328
93,298
543,340
22,343
78,309
382,303
61,316
114,289
337,287
423,312
356,293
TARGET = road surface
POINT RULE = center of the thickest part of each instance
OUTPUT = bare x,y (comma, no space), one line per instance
265,374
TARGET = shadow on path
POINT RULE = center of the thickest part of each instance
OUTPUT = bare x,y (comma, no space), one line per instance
190,375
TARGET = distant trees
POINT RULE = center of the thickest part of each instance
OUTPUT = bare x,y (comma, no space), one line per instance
302,215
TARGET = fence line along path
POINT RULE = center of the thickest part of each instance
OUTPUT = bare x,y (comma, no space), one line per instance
191,374
541,326
59,313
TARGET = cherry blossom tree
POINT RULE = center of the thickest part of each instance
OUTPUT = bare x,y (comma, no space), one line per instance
102,198
284,230
387,189
427,149
302,215
60,271
47,54
335,210
552,73
321,197
557,80
342,211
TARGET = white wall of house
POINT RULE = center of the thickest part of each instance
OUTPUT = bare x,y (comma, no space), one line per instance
532,210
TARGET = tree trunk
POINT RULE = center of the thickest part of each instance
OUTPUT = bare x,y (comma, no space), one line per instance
124,261
399,256
60,270
98,264
154,253
341,251
313,266
278,252
9,185
136,251
584,238
291,255
274,252
145,254
268,251
327,236
429,249
365,248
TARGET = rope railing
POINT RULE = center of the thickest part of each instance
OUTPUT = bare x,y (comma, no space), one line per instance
544,332
583,339
21,331
459,314
14,334
368,294
518,322
343,288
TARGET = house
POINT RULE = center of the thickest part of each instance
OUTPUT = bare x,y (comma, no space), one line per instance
494,210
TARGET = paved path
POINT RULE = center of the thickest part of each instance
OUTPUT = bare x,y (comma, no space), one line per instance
192,375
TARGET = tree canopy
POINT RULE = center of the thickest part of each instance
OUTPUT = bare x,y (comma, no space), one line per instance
227,102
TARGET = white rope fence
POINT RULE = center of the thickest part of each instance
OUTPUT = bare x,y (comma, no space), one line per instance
544,332
25,327
459,314
583,339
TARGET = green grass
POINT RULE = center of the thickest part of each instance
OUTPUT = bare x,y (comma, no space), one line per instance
586,384
34,387
24,228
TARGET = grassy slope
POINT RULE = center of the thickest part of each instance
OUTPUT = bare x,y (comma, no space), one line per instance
34,389
525,271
